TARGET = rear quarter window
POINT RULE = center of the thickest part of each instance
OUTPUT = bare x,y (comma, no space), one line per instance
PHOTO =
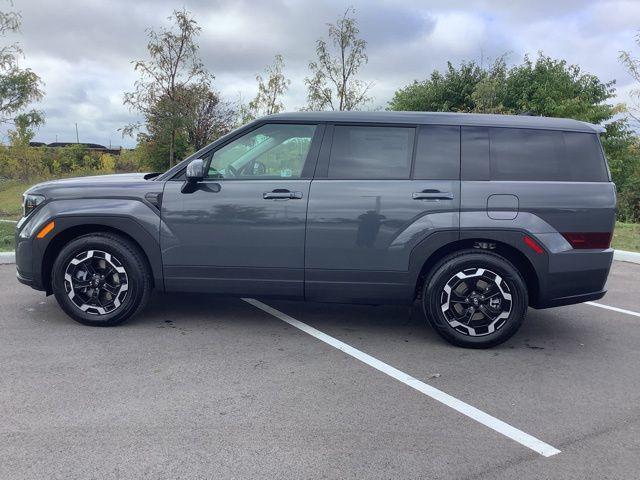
584,154
520,154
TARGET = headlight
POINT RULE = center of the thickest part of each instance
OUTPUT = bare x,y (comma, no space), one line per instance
30,202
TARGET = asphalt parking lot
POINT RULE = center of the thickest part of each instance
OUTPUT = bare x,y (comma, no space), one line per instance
202,387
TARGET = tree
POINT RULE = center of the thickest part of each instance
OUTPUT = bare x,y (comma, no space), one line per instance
207,116
173,66
269,98
18,86
545,86
20,160
489,93
553,88
633,67
333,83
451,91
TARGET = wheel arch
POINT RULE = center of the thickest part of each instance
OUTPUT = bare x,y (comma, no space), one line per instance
502,248
125,228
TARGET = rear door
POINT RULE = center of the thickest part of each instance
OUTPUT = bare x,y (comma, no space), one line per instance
378,192
242,230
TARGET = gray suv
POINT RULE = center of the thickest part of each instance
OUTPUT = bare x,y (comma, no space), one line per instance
476,217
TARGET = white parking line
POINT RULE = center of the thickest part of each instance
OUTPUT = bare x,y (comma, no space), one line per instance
478,415
7,221
615,309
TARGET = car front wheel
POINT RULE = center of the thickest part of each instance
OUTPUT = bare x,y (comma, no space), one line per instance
101,279
475,299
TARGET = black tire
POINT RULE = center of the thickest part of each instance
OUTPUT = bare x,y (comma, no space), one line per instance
447,316
122,254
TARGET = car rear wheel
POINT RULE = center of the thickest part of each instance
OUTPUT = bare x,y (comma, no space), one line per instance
101,279
475,299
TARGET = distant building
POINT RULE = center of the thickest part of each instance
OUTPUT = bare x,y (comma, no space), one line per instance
89,146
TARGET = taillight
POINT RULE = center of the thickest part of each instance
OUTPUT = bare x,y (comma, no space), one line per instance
599,240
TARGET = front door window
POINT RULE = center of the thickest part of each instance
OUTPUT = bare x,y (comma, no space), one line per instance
269,152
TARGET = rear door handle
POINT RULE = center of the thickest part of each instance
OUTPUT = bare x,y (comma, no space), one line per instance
432,195
281,194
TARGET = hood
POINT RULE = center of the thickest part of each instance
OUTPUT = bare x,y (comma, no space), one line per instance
92,180
117,185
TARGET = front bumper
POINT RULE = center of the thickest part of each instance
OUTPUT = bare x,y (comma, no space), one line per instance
27,267
27,280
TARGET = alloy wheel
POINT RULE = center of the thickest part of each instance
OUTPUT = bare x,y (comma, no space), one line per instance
476,302
96,282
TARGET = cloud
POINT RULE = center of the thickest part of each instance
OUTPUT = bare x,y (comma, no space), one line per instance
83,49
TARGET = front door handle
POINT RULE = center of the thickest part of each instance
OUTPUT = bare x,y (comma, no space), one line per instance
281,194
432,195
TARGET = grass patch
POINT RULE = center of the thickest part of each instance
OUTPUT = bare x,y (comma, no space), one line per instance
11,198
6,236
627,237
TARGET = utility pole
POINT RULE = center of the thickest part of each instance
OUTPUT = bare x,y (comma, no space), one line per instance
77,137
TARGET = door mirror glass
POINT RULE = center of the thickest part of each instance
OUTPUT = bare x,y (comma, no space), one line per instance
195,170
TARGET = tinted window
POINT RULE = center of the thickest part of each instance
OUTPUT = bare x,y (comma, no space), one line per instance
276,150
438,153
475,153
527,154
545,155
371,152
584,156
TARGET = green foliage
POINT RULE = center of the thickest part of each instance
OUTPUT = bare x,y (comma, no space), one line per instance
552,88
166,77
269,98
18,86
451,91
153,151
206,116
633,67
333,84
130,160
21,162
7,231
546,87
11,198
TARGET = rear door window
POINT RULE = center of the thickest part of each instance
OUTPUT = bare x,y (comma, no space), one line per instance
437,153
364,153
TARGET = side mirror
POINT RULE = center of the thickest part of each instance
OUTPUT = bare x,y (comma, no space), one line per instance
195,170
194,174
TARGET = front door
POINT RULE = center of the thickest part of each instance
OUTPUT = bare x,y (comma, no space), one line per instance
242,230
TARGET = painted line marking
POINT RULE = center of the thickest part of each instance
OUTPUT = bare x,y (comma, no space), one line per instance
615,309
8,221
485,419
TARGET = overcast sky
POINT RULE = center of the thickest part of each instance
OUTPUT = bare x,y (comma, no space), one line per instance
82,49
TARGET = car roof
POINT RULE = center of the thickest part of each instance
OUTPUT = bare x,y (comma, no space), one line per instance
441,118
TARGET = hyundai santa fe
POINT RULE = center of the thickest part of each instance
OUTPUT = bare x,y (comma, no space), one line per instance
473,217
